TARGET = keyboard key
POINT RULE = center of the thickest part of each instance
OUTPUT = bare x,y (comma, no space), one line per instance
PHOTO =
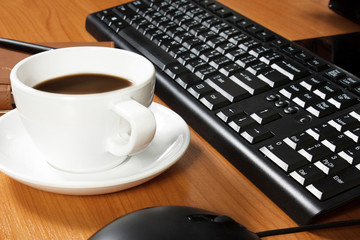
344,123
249,44
354,134
290,69
307,174
244,23
206,72
292,91
195,11
351,154
198,29
187,7
201,49
200,90
229,113
187,80
216,41
236,54
239,38
125,10
291,49
349,82
281,103
257,68
327,91
230,69
257,134
211,22
174,70
355,114
181,37
242,123
203,16
227,88
210,56
214,101
271,58
303,56
282,155
230,32
332,164
196,64
317,64
343,100
191,42
254,29
291,110
315,152
249,82
321,109
259,51
321,131
226,47
306,99
337,142
206,36
272,97
246,60
334,184
221,27
265,35
220,62
273,77
311,83
334,74
299,141
224,13
177,51
265,116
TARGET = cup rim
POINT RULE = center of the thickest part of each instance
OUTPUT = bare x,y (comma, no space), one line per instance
17,83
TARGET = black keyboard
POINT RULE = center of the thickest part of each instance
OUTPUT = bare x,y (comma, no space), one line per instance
284,117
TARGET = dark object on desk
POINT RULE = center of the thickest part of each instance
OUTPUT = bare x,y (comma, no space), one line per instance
23,46
347,8
271,107
187,223
175,223
342,50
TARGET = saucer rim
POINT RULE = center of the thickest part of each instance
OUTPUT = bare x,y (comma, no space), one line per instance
67,187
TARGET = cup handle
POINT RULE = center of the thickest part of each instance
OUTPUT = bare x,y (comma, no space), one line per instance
142,128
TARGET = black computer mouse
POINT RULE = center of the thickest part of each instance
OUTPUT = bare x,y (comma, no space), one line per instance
174,223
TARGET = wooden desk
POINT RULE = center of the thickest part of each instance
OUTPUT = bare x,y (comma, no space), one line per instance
202,178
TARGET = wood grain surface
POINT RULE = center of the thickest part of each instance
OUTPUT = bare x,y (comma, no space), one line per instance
201,178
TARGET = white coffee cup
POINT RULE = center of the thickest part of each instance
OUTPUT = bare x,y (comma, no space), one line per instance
86,132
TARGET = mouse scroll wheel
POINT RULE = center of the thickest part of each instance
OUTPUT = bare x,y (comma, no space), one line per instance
210,218
202,217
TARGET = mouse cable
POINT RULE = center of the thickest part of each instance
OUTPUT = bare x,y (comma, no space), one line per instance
308,228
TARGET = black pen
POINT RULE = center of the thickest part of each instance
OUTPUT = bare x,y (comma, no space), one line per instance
23,46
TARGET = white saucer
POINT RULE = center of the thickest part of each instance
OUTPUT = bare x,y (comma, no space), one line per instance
20,160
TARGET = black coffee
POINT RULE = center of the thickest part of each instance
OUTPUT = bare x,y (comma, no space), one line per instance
86,83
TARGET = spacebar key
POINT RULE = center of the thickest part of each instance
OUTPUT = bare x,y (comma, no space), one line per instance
147,48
